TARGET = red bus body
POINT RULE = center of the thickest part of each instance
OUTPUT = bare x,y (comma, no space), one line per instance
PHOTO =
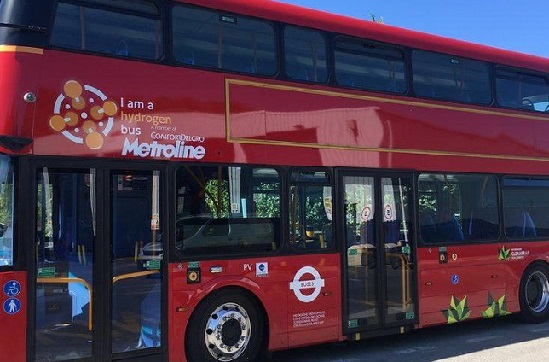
249,120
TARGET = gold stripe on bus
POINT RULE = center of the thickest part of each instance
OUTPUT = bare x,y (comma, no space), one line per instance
227,110
20,49
242,140
376,99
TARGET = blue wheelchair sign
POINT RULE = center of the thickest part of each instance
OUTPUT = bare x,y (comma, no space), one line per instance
12,288
12,306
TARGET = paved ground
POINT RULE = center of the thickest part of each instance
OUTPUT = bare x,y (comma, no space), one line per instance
495,340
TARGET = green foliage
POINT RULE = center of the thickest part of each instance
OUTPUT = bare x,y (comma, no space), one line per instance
458,311
495,308
267,204
266,199
44,210
217,198
6,204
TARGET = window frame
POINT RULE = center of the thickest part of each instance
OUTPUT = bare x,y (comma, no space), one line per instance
283,53
525,238
329,171
375,44
518,75
272,24
16,215
89,4
465,242
491,96
278,234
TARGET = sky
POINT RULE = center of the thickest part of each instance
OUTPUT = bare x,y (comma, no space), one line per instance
519,25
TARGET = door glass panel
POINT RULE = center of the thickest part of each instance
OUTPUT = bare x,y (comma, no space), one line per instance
65,235
137,254
361,251
6,211
397,202
310,210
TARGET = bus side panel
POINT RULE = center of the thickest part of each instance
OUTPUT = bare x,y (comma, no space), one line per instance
20,74
459,283
314,300
313,319
484,279
13,315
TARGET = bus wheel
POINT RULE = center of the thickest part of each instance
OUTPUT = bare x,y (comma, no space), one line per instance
227,326
534,294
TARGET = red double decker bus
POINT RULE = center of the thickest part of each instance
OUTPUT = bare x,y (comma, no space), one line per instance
210,180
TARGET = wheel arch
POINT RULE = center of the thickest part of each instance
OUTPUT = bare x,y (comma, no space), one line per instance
250,290
526,314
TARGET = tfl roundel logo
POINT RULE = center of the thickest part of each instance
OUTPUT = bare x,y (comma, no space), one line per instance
298,285
83,114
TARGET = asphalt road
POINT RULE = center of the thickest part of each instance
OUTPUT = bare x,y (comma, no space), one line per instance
494,340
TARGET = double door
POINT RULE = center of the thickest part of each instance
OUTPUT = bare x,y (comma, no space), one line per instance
96,282
379,260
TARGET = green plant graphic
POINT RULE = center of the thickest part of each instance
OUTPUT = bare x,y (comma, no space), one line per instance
495,308
504,254
458,311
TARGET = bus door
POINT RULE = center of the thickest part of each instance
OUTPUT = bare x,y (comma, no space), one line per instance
97,262
378,258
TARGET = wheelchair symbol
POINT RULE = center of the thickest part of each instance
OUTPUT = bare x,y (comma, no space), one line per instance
12,288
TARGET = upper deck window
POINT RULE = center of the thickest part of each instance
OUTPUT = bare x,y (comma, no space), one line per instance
130,29
364,64
305,55
217,40
450,78
522,91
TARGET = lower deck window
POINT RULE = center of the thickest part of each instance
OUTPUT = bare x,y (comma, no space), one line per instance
223,209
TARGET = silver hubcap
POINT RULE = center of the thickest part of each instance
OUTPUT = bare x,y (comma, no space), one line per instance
537,292
228,332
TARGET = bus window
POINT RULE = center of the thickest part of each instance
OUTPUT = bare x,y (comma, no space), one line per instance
223,209
310,210
305,55
206,38
526,207
110,30
455,208
368,65
6,212
522,91
450,78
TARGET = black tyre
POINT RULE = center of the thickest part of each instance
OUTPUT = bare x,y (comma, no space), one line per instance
534,294
226,326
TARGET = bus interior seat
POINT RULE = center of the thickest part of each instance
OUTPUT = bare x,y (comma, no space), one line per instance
483,223
367,233
188,57
527,104
297,73
519,224
122,48
427,226
450,230
327,234
392,231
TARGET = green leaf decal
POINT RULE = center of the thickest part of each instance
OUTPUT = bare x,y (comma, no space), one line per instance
490,299
495,308
504,254
458,311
